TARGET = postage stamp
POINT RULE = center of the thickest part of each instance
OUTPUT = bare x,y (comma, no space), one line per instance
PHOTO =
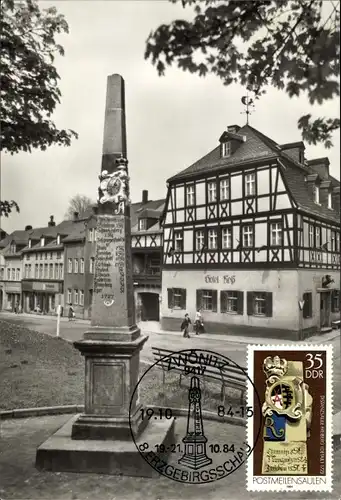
204,395
294,384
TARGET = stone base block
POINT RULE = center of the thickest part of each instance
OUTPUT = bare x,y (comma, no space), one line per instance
61,453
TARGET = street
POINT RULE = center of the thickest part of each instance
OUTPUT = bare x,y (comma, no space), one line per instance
221,344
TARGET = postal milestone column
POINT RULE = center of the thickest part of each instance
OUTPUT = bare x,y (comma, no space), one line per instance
100,439
112,344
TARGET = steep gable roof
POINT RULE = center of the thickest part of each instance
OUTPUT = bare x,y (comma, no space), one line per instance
256,147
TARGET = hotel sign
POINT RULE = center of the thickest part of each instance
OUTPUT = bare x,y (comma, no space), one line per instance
226,279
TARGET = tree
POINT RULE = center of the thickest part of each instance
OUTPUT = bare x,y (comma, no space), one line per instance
79,203
29,79
292,45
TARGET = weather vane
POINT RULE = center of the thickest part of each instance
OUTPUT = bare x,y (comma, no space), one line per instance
248,103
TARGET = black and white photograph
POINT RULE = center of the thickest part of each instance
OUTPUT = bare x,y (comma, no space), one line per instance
170,206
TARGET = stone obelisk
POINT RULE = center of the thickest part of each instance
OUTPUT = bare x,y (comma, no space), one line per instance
100,439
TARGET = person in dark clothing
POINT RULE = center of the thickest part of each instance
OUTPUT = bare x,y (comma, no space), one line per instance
71,313
185,326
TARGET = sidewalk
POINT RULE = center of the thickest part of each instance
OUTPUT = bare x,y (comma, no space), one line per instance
6,314
149,327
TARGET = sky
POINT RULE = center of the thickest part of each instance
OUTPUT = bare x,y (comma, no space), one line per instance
172,121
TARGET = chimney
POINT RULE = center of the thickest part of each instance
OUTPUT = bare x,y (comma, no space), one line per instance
144,196
114,137
321,167
336,199
52,222
28,228
75,215
233,129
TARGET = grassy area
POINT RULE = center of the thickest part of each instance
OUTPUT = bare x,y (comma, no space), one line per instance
39,370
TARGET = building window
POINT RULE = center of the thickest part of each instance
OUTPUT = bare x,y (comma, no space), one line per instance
42,242
212,192
317,237
190,197
259,304
59,255
69,266
17,275
40,256
212,239
75,263
13,274
60,271
307,305
142,224
276,233
207,300
178,241
56,274
27,256
91,235
231,302
92,265
330,200
316,192
311,236
51,271
226,149
176,298
81,297
36,271
337,242
69,296
13,248
199,240
29,243
51,255
2,271
29,271
82,266
46,270
247,235
335,300
8,274
41,271
226,237
250,184
224,189
46,255
75,296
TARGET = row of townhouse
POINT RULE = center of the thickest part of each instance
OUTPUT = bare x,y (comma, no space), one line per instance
249,234
43,268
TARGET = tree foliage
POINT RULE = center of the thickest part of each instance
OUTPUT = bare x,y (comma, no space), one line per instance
79,203
29,79
292,45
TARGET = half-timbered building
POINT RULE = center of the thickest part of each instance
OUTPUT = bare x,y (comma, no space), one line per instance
252,239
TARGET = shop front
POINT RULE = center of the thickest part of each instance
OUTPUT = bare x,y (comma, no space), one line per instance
42,297
12,296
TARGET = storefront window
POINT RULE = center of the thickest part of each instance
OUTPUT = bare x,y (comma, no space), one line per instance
259,303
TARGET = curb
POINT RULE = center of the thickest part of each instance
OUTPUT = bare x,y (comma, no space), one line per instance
40,411
60,410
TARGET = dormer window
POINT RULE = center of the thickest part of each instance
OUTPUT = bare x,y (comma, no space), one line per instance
142,224
58,239
226,149
13,248
42,241
29,243
316,194
330,200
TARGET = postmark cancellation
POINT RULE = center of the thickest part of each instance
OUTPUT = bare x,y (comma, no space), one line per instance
294,451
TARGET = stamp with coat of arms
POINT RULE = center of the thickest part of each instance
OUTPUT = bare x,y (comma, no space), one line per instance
294,451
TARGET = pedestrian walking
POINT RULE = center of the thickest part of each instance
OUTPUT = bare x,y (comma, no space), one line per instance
198,324
185,326
71,313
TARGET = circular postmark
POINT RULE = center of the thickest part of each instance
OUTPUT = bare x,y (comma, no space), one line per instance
200,443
